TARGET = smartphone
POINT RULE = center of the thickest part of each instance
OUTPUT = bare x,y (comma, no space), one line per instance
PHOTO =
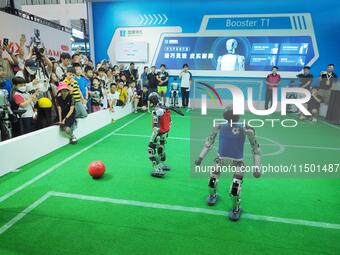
5,42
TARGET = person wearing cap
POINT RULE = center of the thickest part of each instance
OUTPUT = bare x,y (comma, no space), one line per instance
66,111
22,100
76,93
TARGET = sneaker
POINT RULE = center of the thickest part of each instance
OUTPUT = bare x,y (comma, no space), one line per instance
235,214
212,199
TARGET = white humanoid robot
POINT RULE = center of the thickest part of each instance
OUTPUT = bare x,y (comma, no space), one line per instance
230,152
231,61
174,90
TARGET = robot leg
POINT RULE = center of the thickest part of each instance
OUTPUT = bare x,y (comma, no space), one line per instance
172,102
161,152
154,158
175,98
215,174
235,191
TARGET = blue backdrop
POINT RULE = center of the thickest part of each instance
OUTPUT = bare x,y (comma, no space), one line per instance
107,16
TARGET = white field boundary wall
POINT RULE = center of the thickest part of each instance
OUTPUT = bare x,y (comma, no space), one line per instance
19,151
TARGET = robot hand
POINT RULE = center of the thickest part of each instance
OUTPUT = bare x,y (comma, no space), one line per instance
198,161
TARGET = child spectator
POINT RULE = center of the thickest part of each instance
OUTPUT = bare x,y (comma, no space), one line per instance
96,95
66,111
5,83
22,100
81,80
133,97
76,93
64,63
123,95
112,97
88,71
124,80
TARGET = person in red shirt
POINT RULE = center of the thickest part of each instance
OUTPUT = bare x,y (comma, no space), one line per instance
272,81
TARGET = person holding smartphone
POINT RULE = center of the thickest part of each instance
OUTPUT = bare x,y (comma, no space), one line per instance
7,63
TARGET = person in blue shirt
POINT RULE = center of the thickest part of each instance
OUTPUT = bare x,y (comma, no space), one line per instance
4,83
81,80
144,77
230,152
88,76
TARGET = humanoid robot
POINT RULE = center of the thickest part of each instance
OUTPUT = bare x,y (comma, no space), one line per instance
174,90
231,61
231,142
161,121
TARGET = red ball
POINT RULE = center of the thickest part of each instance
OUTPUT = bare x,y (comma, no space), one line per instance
96,169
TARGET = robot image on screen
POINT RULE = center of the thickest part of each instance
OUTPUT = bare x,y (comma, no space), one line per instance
230,61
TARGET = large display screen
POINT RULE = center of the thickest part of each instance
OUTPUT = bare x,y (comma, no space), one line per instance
252,53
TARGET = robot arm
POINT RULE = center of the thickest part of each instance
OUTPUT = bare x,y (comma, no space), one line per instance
250,132
208,144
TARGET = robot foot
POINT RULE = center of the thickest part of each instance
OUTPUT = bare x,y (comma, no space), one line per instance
212,199
235,214
157,172
166,168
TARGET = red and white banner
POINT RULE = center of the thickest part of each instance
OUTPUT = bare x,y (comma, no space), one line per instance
53,40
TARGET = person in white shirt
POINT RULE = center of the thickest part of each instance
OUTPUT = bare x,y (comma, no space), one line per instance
62,67
112,98
186,81
133,97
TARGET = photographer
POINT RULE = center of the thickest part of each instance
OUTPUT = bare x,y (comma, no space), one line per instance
22,100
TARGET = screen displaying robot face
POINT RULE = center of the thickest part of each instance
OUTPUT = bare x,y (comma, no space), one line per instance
235,54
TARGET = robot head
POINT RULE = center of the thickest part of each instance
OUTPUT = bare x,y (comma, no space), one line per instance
154,98
231,45
228,115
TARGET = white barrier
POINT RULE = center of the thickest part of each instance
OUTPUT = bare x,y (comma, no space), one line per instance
16,152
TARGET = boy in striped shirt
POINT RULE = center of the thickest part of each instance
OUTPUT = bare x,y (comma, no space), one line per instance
79,100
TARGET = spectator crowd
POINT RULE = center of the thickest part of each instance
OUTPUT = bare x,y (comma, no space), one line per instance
45,91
